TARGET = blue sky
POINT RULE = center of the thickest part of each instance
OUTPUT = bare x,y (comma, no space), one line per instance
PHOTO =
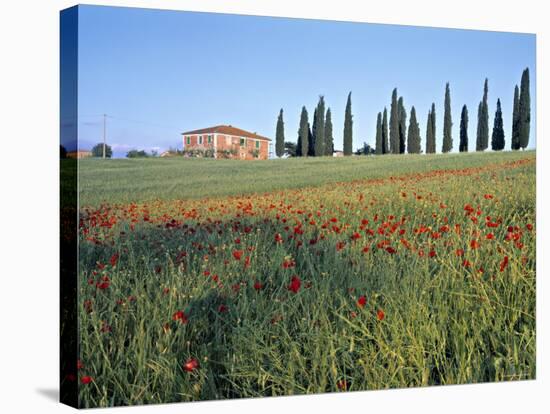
159,73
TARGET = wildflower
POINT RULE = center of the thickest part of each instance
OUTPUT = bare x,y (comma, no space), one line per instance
191,365
362,301
180,316
86,379
114,259
258,286
504,263
380,315
222,308
237,254
295,284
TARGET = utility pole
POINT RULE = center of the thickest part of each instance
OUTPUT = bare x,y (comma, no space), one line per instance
104,133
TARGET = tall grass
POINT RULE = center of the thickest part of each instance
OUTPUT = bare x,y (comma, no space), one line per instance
445,321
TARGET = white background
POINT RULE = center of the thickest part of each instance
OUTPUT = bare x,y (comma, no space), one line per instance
29,253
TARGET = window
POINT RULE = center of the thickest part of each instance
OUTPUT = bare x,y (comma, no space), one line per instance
200,139
210,139
243,142
257,144
227,140
188,140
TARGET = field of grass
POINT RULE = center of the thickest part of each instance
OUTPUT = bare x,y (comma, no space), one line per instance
139,180
207,279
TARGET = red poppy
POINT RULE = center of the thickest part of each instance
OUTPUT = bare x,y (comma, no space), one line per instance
114,259
86,379
103,285
222,308
362,301
342,385
278,238
474,244
237,254
180,316
391,250
432,253
79,364
380,315
191,365
258,286
504,263
295,284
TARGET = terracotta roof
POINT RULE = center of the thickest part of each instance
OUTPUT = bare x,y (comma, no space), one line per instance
226,129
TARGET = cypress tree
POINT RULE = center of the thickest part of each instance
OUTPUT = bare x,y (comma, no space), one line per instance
303,133
433,134
379,147
515,120
524,110
329,139
497,140
280,136
413,137
447,122
394,124
319,135
430,132
312,135
483,121
402,125
385,136
463,146
348,128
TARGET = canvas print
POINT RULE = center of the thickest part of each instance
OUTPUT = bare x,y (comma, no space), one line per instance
255,206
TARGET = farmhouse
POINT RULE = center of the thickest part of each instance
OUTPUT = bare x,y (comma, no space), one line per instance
226,141
79,154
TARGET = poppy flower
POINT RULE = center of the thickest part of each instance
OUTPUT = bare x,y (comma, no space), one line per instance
342,385
79,364
295,284
191,365
504,263
103,285
86,379
222,308
474,244
362,301
180,316
114,259
278,238
237,254
391,250
380,315
258,286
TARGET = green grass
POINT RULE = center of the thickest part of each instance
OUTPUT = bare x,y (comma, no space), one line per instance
450,318
137,180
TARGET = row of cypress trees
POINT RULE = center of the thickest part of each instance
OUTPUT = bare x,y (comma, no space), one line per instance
392,137
316,140
398,116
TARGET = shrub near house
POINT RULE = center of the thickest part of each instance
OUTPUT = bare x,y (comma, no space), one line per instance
225,141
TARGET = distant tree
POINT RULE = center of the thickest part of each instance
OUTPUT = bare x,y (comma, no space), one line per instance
497,140
291,149
524,110
280,135
482,141
515,120
394,123
97,150
319,137
385,136
366,149
402,125
311,141
137,154
447,122
413,137
430,137
348,128
433,128
62,152
379,146
329,139
312,134
463,145
303,133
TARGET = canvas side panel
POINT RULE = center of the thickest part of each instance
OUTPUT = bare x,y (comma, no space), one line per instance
68,206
